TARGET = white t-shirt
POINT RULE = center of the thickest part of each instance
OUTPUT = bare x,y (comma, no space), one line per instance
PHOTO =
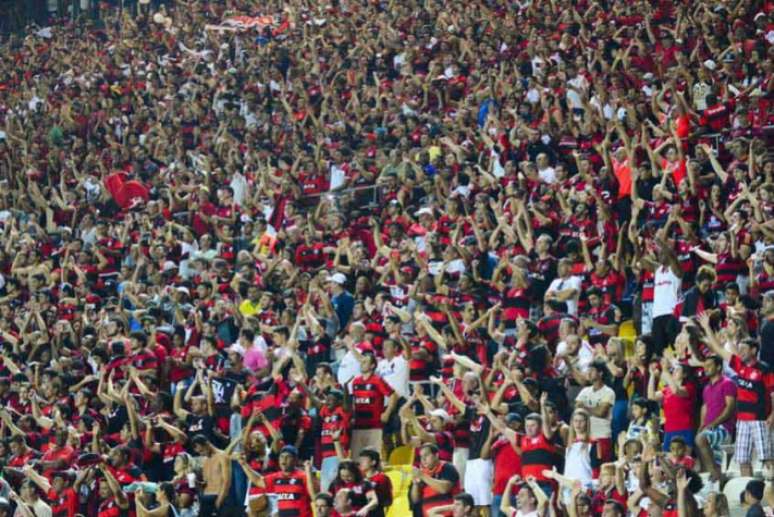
395,372
580,84
571,282
349,368
39,509
585,357
577,465
666,291
547,175
338,177
590,397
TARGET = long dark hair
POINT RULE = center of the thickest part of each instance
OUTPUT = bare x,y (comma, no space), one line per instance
352,467
169,491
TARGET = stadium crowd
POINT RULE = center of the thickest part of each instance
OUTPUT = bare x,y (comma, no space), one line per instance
243,260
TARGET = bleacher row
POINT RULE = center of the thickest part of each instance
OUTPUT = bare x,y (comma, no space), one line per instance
401,461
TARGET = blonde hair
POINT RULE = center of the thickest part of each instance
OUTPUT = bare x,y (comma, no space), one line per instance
618,345
721,505
587,431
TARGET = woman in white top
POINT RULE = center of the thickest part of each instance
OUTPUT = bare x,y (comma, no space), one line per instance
577,464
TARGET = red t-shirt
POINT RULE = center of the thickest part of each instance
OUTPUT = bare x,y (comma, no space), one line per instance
507,463
368,394
679,411
66,454
292,492
64,503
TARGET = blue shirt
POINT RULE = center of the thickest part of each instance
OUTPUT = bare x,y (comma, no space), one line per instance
343,304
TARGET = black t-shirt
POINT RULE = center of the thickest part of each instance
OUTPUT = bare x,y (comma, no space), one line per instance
755,510
116,419
222,391
199,424
479,431
449,473
358,491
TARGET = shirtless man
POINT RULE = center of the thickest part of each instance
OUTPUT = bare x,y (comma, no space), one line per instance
216,469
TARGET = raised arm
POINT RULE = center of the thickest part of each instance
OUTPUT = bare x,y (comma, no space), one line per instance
713,344
449,394
115,488
180,412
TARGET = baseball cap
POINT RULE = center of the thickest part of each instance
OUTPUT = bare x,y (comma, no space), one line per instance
337,278
513,417
440,413
237,348
289,449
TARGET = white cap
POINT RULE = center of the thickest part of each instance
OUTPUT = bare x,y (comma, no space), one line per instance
237,348
169,265
710,64
337,278
182,289
423,211
440,413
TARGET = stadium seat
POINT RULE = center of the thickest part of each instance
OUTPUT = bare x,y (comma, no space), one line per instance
732,491
628,333
403,455
400,507
400,480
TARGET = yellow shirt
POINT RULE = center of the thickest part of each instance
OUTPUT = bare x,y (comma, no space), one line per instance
248,308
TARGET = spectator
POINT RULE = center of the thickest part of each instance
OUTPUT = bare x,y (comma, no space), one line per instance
678,399
531,500
216,475
371,467
463,506
292,488
506,459
373,401
666,291
767,329
566,288
335,428
29,502
323,504
223,220
361,493
753,496
718,415
434,484
754,384
598,400
342,300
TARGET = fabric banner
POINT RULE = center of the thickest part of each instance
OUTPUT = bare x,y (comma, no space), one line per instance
243,23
